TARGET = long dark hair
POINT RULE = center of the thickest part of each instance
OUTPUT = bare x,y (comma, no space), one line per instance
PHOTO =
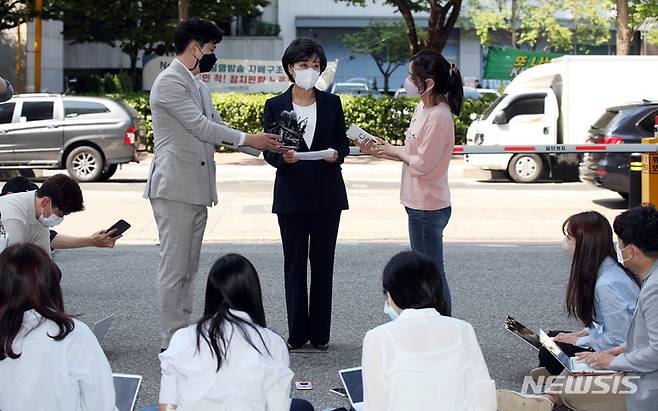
232,284
428,64
412,280
593,236
29,280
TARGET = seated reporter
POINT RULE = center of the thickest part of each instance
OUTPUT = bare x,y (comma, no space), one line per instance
422,360
48,359
229,360
309,196
601,292
637,232
59,241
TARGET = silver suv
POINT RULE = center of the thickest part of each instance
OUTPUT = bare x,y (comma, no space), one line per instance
87,136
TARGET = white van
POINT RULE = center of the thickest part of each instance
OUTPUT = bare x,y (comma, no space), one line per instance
556,103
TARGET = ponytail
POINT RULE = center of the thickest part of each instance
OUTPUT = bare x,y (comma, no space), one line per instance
447,78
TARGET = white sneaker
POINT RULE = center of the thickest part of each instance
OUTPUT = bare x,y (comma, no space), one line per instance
513,401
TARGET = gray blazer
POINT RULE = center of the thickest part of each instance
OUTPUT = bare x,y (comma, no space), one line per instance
183,167
641,353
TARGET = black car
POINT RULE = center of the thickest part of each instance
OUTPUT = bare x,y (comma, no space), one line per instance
627,124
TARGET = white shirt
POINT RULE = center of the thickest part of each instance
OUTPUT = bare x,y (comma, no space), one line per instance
18,214
424,361
308,113
68,375
247,380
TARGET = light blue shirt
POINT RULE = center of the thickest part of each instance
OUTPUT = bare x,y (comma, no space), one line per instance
615,299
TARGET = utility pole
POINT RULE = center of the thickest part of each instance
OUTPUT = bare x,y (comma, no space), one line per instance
18,57
38,7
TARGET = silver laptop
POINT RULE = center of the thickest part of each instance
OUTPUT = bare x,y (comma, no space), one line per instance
352,380
572,365
523,332
126,387
101,327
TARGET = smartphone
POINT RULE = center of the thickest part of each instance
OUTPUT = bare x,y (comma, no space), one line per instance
340,391
303,385
121,226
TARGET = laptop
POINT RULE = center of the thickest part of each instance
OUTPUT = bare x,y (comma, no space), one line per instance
353,382
571,364
523,332
101,327
126,387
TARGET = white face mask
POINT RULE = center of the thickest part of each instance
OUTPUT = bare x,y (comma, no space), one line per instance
306,78
620,255
567,247
389,311
412,90
51,221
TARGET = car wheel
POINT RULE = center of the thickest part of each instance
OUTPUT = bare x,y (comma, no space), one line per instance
107,174
525,168
84,164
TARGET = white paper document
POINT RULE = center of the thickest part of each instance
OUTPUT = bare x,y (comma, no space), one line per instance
359,135
316,155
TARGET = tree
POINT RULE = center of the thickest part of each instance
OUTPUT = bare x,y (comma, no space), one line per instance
443,15
384,43
642,12
11,11
135,26
530,23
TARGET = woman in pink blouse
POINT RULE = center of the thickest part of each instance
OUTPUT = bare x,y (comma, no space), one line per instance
426,155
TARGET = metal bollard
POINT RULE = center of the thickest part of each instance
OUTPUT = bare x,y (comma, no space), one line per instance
635,181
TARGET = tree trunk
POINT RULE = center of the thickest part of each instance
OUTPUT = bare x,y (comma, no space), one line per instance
183,9
624,31
386,77
133,69
513,23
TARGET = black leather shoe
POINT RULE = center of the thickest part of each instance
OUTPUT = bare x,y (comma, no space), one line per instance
292,347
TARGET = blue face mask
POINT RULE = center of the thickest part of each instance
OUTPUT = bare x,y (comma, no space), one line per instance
390,312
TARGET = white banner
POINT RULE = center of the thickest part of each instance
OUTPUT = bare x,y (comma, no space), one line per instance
239,76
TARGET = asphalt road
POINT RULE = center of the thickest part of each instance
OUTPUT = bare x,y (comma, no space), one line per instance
488,282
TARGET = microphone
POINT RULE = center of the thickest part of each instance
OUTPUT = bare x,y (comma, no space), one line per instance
291,130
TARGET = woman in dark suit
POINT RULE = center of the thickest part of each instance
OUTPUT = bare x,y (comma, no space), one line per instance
309,195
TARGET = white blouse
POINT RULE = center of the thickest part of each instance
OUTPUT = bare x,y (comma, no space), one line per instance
424,361
68,375
246,381
308,113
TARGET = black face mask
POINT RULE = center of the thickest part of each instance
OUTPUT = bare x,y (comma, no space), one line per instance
207,62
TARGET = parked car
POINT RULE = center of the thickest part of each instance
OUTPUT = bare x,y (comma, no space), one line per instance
349,88
627,124
87,136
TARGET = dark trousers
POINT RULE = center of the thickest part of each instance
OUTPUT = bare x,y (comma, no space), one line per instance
309,236
300,405
547,360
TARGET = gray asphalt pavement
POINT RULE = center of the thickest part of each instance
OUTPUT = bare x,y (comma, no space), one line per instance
488,282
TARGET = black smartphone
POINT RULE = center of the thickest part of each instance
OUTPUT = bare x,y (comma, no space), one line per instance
121,226
340,391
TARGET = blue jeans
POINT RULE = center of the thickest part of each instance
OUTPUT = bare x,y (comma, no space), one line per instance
426,236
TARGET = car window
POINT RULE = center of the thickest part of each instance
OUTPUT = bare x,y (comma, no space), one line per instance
605,119
37,110
74,108
491,108
525,106
647,124
6,112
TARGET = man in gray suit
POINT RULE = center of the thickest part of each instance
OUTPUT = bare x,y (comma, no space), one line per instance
637,230
181,183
